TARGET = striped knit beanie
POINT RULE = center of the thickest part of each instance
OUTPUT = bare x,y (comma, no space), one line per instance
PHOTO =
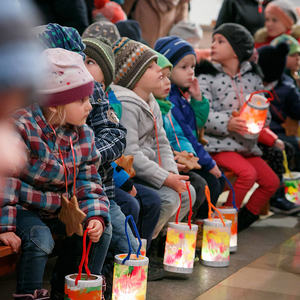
132,61
173,48
100,50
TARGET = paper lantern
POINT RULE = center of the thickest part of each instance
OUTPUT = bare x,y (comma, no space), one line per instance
216,243
181,243
230,213
130,272
180,247
88,287
83,286
254,112
292,186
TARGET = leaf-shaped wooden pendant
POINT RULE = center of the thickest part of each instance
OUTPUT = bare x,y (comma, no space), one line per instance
72,216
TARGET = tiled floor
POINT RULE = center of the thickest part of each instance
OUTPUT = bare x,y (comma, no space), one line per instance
266,266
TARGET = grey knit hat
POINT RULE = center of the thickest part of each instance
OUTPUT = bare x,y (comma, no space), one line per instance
104,29
239,38
187,30
100,50
132,61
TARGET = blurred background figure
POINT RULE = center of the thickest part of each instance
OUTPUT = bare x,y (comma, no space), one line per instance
20,71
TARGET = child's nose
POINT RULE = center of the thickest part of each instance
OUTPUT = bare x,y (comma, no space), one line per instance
88,105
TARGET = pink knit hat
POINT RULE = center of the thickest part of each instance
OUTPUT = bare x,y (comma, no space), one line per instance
67,80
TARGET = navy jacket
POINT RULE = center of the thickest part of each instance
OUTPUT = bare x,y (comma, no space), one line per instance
286,103
185,116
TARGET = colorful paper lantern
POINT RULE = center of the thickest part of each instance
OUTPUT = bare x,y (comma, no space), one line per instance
130,272
230,213
216,243
181,243
292,186
83,286
88,287
180,247
254,112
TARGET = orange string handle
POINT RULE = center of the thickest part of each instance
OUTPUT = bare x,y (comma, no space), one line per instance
269,99
191,207
170,118
156,137
84,258
210,206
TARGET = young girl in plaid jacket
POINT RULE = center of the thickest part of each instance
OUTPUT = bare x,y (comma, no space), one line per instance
62,157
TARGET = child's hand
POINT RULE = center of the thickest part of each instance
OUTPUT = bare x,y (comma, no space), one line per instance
182,168
176,182
12,240
195,90
95,230
236,124
133,192
279,144
216,171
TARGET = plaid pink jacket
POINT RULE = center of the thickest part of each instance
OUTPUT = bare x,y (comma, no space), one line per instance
43,181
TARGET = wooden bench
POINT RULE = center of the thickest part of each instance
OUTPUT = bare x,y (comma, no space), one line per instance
8,260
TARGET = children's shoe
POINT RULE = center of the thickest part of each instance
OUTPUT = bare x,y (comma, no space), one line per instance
245,218
37,295
155,270
284,206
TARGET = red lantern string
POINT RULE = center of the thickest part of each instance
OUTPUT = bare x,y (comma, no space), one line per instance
191,206
84,258
170,118
210,206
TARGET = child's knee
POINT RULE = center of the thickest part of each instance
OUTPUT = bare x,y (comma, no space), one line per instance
248,176
39,239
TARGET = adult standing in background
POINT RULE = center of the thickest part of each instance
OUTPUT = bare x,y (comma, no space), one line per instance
249,13
156,17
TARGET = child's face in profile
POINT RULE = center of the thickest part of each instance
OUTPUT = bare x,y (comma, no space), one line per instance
273,25
183,73
293,62
77,112
151,79
221,50
94,70
163,91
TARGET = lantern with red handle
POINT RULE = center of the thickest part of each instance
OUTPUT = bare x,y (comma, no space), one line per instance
254,112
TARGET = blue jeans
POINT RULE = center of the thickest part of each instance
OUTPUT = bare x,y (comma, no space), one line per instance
144,207
38,243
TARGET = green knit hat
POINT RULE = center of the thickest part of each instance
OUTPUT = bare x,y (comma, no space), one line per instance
163,62
132,61
100,50
292,43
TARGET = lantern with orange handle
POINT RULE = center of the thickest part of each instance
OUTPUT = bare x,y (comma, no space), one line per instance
216,238
255,112
181,243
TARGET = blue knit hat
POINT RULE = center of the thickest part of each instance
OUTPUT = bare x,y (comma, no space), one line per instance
173,48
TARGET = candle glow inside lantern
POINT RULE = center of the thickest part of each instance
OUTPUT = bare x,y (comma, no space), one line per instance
216,238
254,111
130,272
230,213
181,244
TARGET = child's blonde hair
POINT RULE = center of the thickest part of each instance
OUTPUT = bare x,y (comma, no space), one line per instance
59,115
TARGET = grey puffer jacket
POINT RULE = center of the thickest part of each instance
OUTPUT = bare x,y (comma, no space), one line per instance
223,93
137,118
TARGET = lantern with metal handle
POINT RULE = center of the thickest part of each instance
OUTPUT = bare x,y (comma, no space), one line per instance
181,243
255,112
83,286
130,272
216,238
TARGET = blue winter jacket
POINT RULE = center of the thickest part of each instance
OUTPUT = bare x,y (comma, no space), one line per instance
185,116
286,103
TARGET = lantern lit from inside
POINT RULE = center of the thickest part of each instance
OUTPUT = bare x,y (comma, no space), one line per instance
130,278
216,243
180,247
88,287
254,112
292,186
230,213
